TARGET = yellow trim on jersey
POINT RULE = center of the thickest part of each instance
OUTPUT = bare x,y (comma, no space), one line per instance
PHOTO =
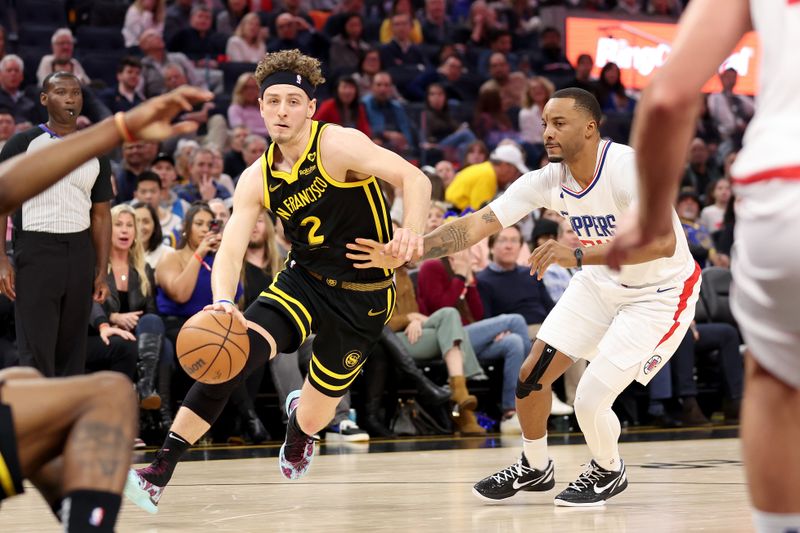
333,387
291,312
328,178
291,299
291,177
379,194
264,175
391,297
5,478
331,373
376,219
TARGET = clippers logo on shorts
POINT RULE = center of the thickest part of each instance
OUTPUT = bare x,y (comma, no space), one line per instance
351,359
652,363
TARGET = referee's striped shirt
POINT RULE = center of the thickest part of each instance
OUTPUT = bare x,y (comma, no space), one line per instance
64,207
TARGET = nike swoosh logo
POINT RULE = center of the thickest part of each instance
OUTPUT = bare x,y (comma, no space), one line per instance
376,313
665,290
275,188
517,485
600,490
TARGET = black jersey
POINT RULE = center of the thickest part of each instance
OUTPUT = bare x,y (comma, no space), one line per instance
321,215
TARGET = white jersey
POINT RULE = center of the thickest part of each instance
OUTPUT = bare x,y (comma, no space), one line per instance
770,143
595,211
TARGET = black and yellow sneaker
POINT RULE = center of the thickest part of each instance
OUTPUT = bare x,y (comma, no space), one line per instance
593,487
517,477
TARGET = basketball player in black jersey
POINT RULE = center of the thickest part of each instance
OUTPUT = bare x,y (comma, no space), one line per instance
72,437
320,180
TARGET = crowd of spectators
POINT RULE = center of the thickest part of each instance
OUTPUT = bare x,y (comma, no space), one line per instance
457,87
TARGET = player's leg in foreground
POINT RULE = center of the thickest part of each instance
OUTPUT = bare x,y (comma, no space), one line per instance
74,440
605,475
770,415
534,470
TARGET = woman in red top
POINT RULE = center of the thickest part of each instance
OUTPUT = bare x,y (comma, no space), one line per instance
345,108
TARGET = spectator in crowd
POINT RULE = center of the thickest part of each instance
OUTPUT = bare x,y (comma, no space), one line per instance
155,61
435,30
63,46
435,216
64,234
481,22
126,95
253,147
439,334
183,153
400,7
305,23
490,121
499,43
450,74
536,95
510,85
583,75
131,307
201,186
707,127
221,212
446,172
233,163
700,243
164,166
387,118
450,282
611,92
441,131
7,125
551,61
246,44
218,170
244,109
2,41
335,22
229,18
478,184
12,97
212,126
477,153
664,8
629,7
183,278
700,169
348,47
401,51
288,36
148,191
345,108
134,162
150,234
177,19
370,66
141,16
199,42
732,112
717,198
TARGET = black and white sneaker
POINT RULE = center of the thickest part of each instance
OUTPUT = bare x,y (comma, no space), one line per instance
593,487
520,476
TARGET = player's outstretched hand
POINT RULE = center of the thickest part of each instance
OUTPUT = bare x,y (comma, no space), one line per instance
406,245
371,254
152,119
226,307
549,253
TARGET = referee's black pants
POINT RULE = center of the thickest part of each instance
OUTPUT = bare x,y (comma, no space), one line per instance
55,281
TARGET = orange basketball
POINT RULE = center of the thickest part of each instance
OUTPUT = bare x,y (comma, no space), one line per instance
212,347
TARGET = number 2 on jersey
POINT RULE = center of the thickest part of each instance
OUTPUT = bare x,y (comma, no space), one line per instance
313,238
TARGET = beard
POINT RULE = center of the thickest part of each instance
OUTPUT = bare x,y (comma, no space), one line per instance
555,158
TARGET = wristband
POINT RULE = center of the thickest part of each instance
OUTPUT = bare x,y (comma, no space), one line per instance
103,326
579,257
197,256
222,300
122,128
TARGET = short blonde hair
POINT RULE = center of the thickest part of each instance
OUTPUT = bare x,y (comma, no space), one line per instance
236,96
240,28
549,88
291,61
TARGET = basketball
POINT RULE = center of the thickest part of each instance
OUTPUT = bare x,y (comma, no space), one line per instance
212,347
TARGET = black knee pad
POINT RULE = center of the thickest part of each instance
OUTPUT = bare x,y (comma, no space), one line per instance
531,383
208,401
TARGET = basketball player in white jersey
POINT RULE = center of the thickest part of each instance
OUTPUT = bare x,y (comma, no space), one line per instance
766,179
628,323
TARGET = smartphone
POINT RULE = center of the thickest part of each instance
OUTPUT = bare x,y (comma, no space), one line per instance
215,226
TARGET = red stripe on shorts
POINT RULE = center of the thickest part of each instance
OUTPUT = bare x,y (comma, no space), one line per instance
688,287
785,173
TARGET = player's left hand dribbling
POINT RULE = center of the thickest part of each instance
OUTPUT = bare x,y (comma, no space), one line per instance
551,252
225,307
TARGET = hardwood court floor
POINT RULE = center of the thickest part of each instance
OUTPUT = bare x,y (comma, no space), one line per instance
674,486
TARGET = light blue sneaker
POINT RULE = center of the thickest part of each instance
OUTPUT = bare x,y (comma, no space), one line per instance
142,492
298,448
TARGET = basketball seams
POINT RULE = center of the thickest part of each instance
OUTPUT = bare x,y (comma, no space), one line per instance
202,341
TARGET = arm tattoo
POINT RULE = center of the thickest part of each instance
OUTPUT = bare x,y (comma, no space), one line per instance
447,239
489,217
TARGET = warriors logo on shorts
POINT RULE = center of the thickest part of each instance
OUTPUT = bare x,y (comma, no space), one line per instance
351,359
652,363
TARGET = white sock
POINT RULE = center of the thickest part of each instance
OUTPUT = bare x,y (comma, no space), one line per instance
536,452
775,522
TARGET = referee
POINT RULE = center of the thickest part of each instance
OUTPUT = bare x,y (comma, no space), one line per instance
61,243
